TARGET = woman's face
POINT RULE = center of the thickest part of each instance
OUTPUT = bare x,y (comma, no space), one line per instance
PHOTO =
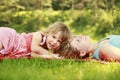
81,43
53,41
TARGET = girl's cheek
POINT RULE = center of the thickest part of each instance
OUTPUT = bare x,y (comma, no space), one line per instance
58,45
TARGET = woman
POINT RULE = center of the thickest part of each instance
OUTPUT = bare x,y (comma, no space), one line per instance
106,49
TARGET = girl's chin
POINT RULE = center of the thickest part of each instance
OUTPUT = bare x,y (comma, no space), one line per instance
51,48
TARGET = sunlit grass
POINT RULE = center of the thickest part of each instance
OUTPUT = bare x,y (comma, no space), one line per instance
38,69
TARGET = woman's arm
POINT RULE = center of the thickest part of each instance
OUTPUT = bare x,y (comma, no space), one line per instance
110,53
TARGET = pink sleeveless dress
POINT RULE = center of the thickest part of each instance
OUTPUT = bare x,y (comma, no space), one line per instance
14,45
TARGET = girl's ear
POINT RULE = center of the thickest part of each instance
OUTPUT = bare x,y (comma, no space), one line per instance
82,53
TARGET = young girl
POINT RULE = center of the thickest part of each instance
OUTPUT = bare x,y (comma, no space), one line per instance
36,44
107,49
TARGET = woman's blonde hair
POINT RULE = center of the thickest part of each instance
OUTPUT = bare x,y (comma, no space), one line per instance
59,26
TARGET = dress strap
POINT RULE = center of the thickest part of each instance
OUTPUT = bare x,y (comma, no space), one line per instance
43,38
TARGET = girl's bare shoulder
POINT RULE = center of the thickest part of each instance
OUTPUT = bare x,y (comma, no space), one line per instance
37,36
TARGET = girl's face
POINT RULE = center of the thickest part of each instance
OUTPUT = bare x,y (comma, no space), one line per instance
53,41
81,43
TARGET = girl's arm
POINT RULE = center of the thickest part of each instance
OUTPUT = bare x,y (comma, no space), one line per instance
35,45
1,45
52,56
110,53
38,51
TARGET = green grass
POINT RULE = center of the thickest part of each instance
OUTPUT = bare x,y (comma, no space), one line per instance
39,69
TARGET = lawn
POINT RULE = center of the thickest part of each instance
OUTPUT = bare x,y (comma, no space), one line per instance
39,69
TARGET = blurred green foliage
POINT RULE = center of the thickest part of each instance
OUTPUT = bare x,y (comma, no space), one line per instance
82,16
58,4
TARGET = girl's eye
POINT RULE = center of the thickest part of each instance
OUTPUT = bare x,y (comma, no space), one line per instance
53,36
78,40
59,41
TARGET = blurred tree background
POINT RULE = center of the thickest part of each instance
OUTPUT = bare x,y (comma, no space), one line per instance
97,18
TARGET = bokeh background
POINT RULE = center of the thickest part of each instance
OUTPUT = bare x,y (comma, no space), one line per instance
97,18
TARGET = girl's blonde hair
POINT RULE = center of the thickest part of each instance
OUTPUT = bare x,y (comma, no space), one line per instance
59,26
67,51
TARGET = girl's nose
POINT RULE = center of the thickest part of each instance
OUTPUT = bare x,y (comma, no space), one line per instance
55,41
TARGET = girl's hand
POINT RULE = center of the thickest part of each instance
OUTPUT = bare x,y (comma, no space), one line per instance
56,56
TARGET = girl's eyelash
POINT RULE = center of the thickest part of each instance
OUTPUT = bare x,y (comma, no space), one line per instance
53,36
60,41
78,40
